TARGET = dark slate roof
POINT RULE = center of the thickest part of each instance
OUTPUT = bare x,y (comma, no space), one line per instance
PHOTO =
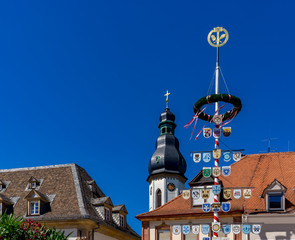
66,186
170,159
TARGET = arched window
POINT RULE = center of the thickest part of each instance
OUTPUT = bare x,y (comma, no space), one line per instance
158,198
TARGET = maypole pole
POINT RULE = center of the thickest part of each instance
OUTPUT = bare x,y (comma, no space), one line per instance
217,40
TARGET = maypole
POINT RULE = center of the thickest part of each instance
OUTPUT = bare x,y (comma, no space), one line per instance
217,40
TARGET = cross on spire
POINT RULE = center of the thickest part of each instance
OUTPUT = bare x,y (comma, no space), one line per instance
167,98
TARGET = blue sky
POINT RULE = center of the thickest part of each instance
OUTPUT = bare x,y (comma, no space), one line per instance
83,82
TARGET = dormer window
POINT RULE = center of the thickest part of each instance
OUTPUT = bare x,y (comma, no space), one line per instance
2,185
274,196
37,203
5,204
275,201
107,214
33,183
122,221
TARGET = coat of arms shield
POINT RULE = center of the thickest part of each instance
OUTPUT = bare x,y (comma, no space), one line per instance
226,228
206,156
216,153
207,132
216,189
225,206
226,156
196,229
247,193
226,171
205,193
216,132
197,157
205,229
256,228
216,171
227,193
237,156
186,229
196,194
216,226
236,228
246,228
237,193
206,172
226,131
215,207
176,229
206,207
186,194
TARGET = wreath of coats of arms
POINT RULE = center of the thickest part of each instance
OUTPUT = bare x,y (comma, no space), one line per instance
235,101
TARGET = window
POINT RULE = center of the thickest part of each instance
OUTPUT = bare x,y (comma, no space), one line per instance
275,201
158,198
33,185
107,214
122,221
163,234
34,208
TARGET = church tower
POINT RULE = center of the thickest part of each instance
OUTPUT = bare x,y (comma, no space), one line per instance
167,165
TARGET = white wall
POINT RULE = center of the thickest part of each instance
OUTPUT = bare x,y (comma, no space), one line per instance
99,236
161,183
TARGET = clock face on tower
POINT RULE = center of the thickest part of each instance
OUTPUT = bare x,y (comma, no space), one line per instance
171,187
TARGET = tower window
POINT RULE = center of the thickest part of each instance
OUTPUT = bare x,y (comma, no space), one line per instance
158,198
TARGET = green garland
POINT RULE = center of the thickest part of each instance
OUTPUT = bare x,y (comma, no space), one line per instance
235,101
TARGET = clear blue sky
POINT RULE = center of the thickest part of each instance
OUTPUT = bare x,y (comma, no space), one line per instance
83,82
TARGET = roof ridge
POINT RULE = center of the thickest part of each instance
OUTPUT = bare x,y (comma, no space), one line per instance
38,167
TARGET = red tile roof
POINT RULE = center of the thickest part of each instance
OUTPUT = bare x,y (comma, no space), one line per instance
258,171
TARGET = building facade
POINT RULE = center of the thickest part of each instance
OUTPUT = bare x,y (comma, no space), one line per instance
66,197
268,200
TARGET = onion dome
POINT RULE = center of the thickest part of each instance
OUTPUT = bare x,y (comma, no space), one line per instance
167,157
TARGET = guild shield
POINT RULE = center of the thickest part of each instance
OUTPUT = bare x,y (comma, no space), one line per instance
227,193
237,156
225,206
216,171
226,156
226,171
186,229
196,229
217,119
256,228
216,189
206,171
246,228
197,157
206,156
237,193
205,228
196,194
206,238
226,228
205,193
216,153
216,132
247,193
236,228
215,207
216,226
176,229
226,131
206,207
207,132
186,194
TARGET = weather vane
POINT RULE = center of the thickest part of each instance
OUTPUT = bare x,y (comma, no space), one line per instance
167,98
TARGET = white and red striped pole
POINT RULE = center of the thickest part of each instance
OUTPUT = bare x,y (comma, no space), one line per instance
216,180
